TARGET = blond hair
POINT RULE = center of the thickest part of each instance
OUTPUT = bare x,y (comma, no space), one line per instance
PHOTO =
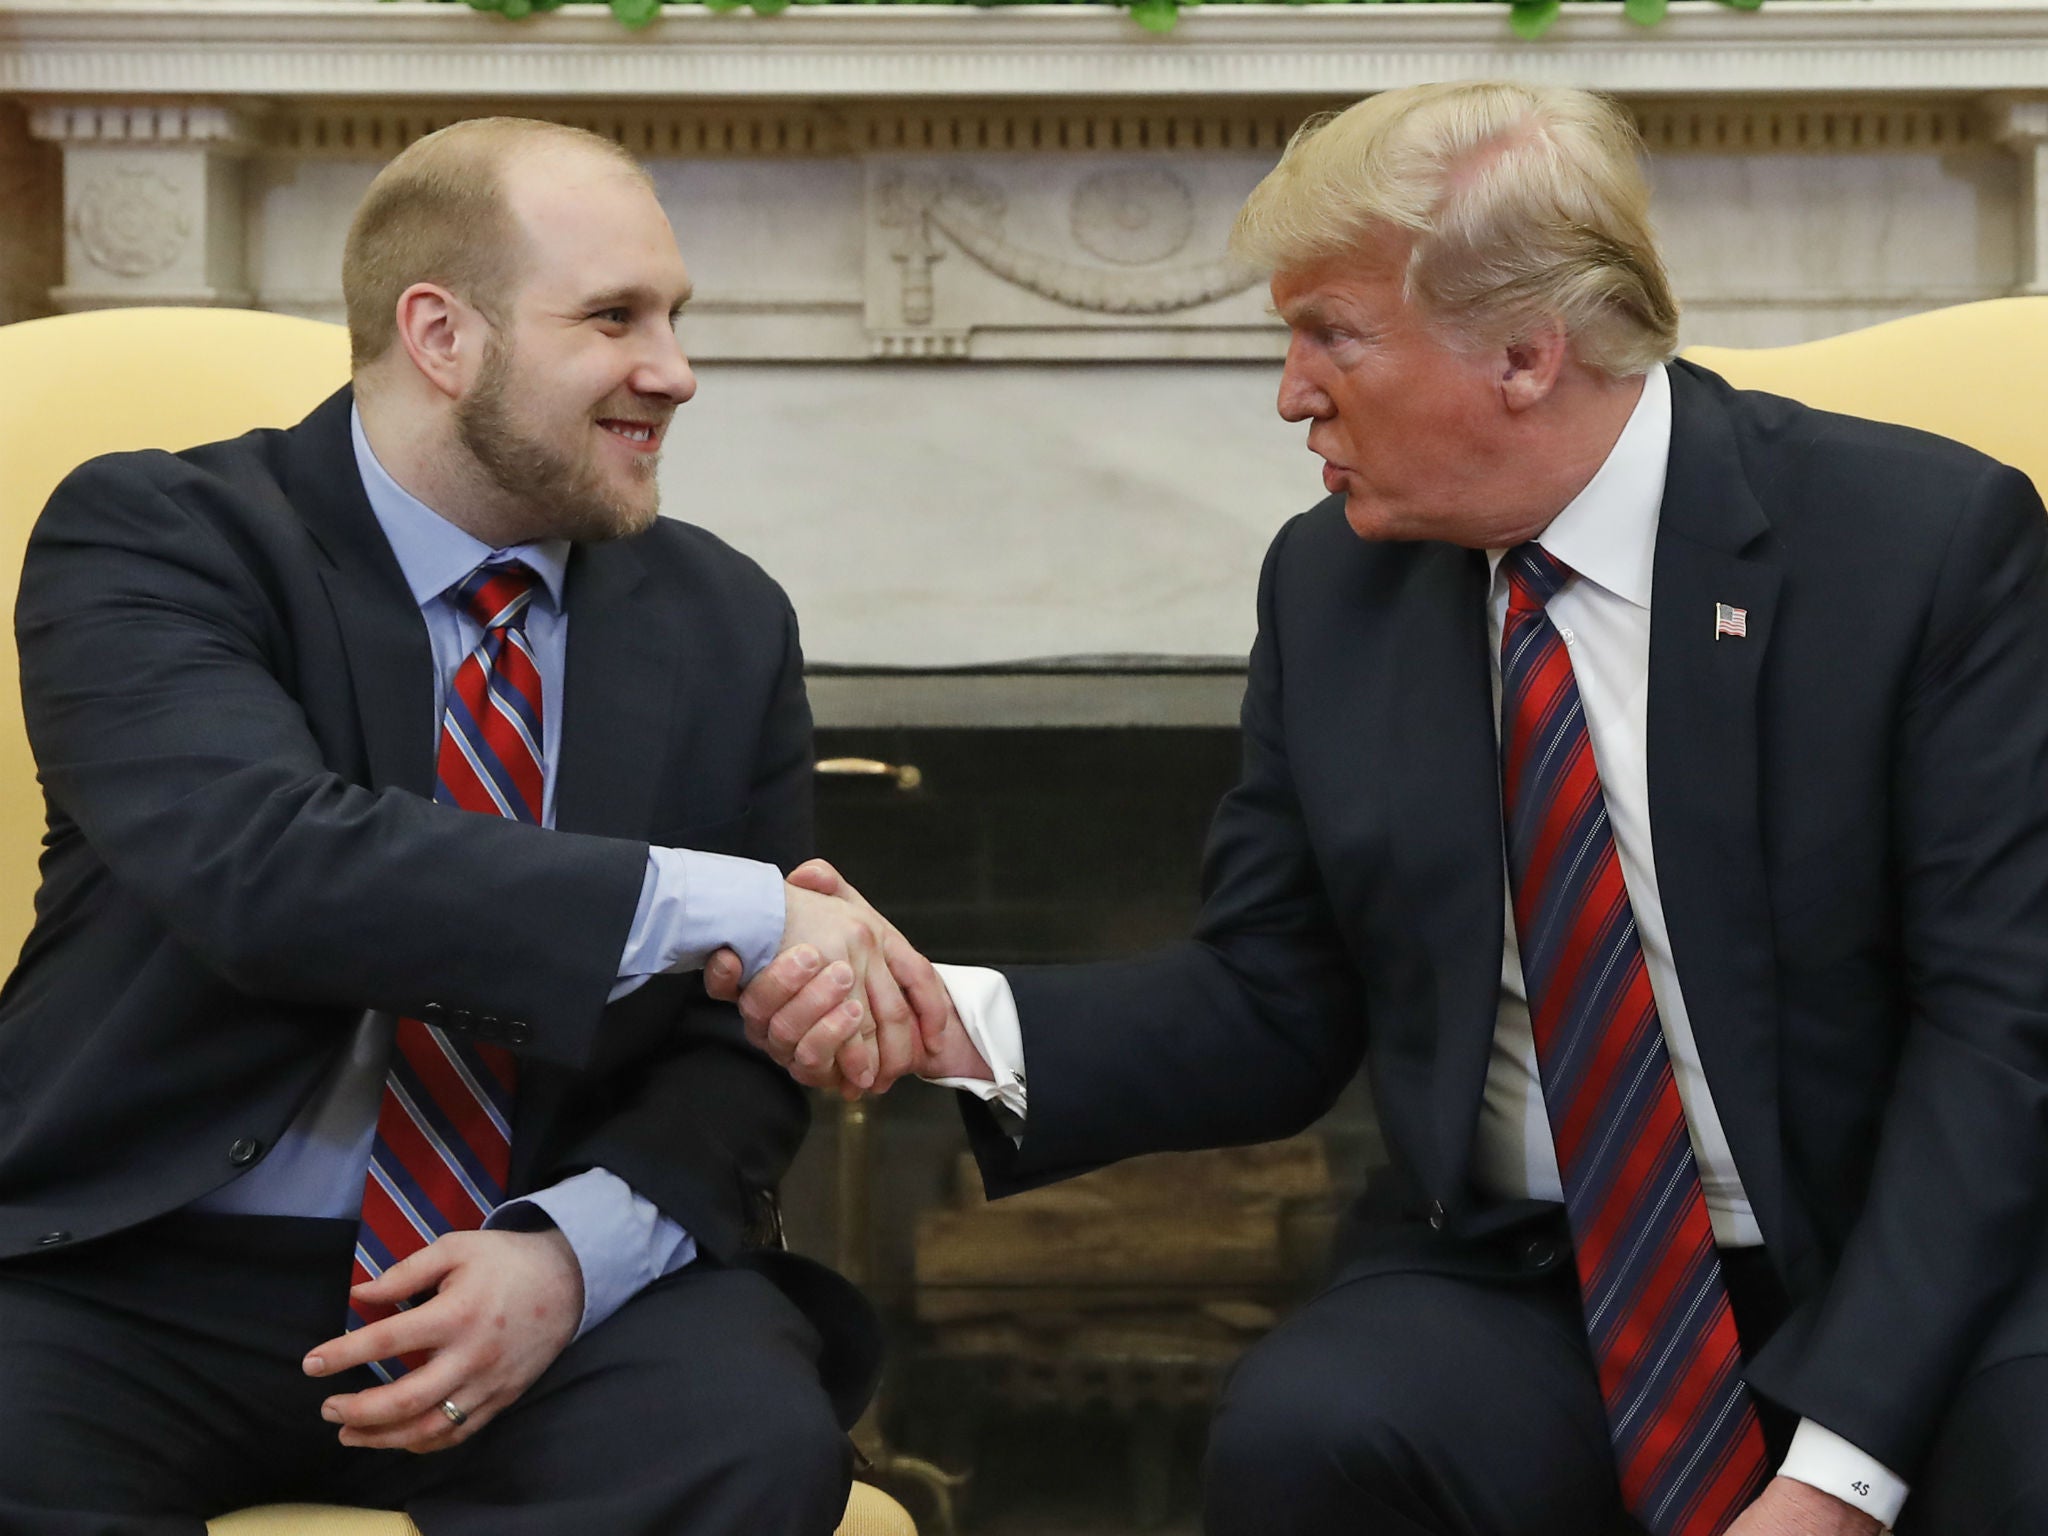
1523,205
438,214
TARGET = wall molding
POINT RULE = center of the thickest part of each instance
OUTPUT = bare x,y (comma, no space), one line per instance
313,129
741,130
340,49
130,124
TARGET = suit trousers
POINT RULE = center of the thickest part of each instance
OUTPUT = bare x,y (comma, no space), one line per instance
1428,1404
151,1381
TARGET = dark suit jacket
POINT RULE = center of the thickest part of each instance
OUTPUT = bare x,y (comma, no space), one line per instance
1850,814
228,688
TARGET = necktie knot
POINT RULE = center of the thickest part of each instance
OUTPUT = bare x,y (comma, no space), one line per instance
1534,577
496,594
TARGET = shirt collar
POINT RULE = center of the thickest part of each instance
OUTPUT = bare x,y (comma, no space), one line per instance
1608,532
432,552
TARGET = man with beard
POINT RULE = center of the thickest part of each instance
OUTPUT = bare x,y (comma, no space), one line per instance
358,1088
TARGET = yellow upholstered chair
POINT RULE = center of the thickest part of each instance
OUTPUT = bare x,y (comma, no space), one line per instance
1975,372
869,1512
311,1520
81,385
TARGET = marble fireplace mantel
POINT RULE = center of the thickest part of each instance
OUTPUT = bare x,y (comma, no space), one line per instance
328,49
962,302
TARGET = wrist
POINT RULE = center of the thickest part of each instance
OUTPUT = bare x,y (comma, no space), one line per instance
957,1056
1820,1513
1823,1460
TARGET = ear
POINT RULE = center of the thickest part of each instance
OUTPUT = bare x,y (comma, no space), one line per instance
1530,365
442,335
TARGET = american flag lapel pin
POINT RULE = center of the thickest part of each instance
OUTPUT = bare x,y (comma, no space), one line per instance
1730,622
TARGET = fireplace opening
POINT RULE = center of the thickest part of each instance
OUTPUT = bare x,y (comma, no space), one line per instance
1061,1349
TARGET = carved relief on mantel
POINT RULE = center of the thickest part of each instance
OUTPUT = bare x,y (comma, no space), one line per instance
152,202
1022,256
131,223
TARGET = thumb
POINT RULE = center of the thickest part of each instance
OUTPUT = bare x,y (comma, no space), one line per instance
722,974
816,875
922,989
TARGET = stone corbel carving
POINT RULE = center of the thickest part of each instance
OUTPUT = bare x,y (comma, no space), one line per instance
1124,268
152,203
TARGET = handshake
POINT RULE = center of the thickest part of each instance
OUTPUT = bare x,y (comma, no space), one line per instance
846,1004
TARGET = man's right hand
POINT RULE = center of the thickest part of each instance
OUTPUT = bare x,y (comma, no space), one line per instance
805,1008
835,944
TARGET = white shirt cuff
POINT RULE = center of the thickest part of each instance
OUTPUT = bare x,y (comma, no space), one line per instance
987,1008
1822,1459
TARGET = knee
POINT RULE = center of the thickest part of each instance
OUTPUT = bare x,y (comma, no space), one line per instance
1287,1450
813,1454
794,1457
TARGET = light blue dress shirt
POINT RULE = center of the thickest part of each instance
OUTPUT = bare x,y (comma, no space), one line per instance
691,903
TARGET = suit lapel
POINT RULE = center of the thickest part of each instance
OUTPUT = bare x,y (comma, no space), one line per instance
1447,838
1714,547
619,690
390,659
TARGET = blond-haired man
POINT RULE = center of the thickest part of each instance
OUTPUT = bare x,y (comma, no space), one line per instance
401,768
1649,783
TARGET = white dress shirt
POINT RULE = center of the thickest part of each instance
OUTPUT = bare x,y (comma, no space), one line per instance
1607,535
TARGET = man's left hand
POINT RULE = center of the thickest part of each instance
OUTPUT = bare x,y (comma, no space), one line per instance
504,1304
1788,1507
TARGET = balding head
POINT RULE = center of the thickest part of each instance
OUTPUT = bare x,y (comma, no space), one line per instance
440,213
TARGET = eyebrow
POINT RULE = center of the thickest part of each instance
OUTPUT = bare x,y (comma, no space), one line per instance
1307,312
634,297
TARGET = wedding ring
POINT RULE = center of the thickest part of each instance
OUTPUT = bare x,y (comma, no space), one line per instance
453,1414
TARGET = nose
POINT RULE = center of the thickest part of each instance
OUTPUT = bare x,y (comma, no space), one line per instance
664,371
1301,398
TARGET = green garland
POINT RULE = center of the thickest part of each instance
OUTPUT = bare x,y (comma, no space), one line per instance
1529,18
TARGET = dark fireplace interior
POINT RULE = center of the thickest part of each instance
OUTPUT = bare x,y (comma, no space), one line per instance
1064,1356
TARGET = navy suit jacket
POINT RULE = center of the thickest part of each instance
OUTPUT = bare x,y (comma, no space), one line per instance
1850,813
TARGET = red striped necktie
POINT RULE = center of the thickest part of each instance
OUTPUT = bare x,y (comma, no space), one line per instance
1686,1441
443,1149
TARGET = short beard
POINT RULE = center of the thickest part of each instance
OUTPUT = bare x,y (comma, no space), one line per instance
565,497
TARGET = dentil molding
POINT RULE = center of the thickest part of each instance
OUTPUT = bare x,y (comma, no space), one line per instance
317,130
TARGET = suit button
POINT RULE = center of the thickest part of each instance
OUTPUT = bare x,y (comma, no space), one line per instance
52,1239
1540,1254
1436,1215
518,1032
245,1151
432,1013
489,1027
